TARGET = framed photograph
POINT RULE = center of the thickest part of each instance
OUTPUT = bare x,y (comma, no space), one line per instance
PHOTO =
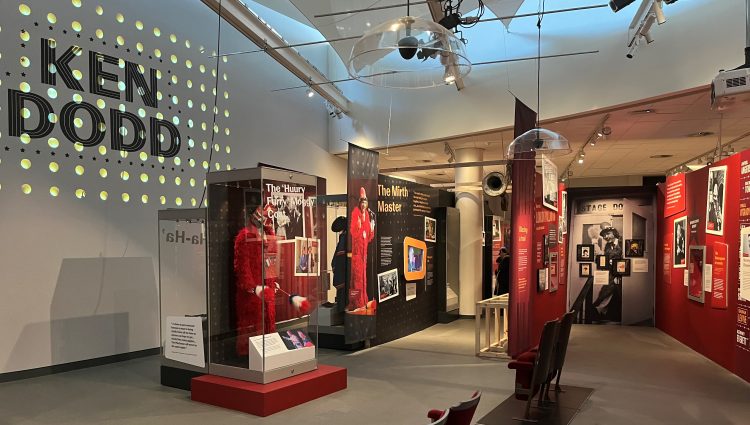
301,257
696,265
545,250
621,267
584,270
602,263
388,285
430,229
542,280
560,234
715,200
496,235
553,263
585,252
313,252
679,244
634,247
549,184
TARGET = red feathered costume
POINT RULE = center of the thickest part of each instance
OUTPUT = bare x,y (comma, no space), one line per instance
248,270
361,233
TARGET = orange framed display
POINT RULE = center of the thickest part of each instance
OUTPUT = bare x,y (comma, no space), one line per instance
415,259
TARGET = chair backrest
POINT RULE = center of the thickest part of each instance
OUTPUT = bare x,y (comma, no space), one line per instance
443,419
462,413
566,323
545,356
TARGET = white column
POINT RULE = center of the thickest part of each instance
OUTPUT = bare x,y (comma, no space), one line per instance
472,222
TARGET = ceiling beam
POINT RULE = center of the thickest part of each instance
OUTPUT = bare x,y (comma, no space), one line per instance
250,25
436,10
442,166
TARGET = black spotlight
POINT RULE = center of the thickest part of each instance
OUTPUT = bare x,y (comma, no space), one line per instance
617,5
407,47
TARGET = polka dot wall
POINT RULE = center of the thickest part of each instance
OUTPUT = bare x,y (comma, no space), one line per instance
185,80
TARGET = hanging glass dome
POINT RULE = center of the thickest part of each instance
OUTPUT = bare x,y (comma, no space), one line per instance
540,141
408,53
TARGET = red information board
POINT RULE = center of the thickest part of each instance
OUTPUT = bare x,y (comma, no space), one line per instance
674,202
719,276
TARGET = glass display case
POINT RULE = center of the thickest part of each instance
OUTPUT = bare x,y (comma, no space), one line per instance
266,259
182,295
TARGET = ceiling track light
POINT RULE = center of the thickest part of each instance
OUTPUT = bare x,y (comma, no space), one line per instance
310,93
650,12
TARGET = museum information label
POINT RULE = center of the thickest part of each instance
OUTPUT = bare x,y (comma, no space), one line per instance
184,340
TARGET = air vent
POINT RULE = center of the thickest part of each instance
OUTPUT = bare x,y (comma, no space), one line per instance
736,82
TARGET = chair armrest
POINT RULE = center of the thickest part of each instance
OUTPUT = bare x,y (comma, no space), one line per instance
518,365
435,414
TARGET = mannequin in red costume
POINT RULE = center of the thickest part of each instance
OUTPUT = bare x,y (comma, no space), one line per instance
362,232
255,303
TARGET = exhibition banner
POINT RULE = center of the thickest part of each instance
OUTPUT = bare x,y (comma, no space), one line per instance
719,276
362,196
674,195
743,299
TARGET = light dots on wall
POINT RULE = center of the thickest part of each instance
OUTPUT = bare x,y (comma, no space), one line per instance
78,147
226,113
189,84
204,145
173,58
24,138
99,10
177,181
80,193
103,195
163,200
202,69
139,25
52,117
190,103
217,166
125,175
101,104
205,165
228,149
79,170
77,74
99,33
53,143
25,164
26,188
24,87
143,156
24,9
25,62
139,47
193,202
191,161
173,38
175,121
190,125
102,150
54,191
77,27
141,112
125,197
178,201
162,179
188,64
103,173
54,167
52,93
187,43
144,198
203,88
25,36
120,40
217,148
177,160
192,182
120,17
144,177
76,3
123,154
25,113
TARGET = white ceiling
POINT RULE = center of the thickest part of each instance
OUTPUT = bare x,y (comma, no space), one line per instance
635,139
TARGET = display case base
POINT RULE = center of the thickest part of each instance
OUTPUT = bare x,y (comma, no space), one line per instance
265,400
178,378
333,337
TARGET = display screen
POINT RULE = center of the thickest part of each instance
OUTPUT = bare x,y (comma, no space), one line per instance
415,259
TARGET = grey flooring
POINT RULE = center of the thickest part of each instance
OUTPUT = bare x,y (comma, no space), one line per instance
640,376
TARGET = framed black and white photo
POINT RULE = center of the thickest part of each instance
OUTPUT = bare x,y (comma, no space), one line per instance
496,235
602,263
634,247
564,212
549,184
584,270
715,200
621,267
695,270
388,285
585,252
430,229
679,241
542,280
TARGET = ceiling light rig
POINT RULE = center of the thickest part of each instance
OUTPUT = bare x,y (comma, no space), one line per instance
600,133
639,32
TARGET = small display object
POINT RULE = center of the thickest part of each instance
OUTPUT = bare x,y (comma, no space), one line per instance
584,270
430,229
545,248
602,262
695,271
542,280
182,296
415,260
264,232
388,285
634,247
585,252
549,184
680,243
715,200
621,267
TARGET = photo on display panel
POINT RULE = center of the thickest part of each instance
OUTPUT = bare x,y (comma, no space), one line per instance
584,270
549,184
585,252
634,247
602,262
289,220
697,260
564,213
606,237
715,200
496,229
388,285
295,339
679,243
622,267
430,229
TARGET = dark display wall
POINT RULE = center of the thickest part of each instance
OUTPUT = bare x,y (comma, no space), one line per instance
402,208
707,327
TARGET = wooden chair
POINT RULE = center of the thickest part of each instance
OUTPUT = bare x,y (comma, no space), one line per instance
460,414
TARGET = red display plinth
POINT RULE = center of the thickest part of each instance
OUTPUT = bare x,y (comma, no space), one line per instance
265,400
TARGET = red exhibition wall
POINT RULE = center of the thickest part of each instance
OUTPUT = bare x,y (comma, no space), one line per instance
709,328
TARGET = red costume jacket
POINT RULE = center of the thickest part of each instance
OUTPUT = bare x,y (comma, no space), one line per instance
361,233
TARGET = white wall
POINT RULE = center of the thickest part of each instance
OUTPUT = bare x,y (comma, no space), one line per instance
699,38
79,275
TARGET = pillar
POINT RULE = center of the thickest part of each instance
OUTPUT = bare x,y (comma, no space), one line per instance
470,206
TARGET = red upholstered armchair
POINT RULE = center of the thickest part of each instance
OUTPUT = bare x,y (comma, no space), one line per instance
460,414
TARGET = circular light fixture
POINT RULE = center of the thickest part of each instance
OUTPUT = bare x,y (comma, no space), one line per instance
408,53
310,93
540,141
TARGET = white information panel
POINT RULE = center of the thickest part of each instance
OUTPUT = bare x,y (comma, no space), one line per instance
184,340
708,270
601,277
282,349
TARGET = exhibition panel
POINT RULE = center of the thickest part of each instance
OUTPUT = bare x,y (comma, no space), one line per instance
264,273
